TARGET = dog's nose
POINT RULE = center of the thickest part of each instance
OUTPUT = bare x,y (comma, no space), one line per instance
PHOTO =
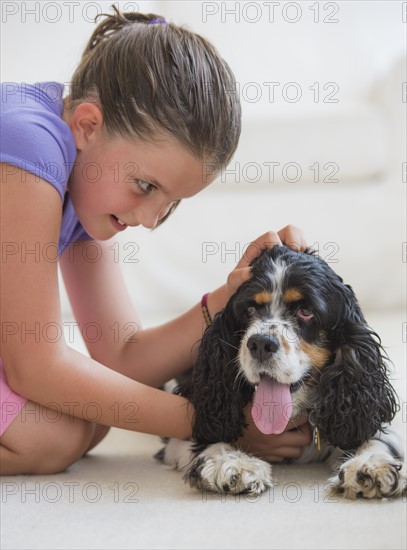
262,346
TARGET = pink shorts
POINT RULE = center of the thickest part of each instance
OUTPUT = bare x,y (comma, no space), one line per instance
10,402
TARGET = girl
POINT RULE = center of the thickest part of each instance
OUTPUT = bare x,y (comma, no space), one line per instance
154,99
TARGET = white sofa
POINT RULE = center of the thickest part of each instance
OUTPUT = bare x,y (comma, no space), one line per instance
321,90
353,214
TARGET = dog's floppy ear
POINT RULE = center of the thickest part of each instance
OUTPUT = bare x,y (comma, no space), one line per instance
355,394
215,389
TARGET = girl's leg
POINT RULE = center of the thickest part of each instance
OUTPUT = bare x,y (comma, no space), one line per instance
38,441
99,433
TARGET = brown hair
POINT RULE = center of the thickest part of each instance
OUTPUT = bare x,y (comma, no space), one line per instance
151,76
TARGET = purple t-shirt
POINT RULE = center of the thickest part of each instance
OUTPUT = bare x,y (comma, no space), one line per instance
34,137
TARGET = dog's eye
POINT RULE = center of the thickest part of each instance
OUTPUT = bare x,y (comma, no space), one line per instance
304,314
250,311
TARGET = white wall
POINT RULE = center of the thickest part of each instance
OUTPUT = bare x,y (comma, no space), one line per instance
362,215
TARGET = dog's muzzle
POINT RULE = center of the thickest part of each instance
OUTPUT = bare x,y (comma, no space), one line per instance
262,346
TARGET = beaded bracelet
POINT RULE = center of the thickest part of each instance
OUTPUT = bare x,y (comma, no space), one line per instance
205,310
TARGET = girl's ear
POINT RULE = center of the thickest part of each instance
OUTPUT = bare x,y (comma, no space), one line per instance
355,394
86,123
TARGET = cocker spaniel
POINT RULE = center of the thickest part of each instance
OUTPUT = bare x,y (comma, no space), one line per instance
291,340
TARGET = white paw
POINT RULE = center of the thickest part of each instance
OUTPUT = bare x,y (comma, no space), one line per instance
370,476
177,453
222,469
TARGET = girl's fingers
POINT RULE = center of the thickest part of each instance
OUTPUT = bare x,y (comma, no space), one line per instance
290,235
293,438
297,422
288,452
237,277
273,458
297,437
293,237
267,240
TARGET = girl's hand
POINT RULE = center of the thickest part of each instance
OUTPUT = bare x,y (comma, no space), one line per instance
276,448
290,236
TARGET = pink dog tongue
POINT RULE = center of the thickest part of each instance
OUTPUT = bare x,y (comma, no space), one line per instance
272,406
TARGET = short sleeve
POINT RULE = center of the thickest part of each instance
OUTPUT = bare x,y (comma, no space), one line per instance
36,139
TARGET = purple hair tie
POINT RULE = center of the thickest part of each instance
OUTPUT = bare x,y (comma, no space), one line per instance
160,20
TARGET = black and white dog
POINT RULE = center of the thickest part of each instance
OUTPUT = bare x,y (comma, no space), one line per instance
292,339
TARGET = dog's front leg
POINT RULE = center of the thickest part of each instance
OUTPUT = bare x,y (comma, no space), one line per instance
177,453
218,468
376,470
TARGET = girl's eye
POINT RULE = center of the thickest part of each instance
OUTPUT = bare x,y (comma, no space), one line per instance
145,186
304,314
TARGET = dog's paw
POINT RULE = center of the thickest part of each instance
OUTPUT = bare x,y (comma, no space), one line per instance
222,469
177,453
369,476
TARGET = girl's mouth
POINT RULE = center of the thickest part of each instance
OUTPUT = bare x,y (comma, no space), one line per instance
118,224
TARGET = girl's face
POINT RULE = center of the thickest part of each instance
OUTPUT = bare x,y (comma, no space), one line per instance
118,183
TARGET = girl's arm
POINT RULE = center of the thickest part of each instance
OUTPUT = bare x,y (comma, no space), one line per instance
39,365
99,299
153,355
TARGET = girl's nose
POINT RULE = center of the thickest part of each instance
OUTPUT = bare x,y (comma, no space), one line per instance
151,216
148,220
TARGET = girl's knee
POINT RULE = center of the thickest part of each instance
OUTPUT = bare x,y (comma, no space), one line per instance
65,448
99,434
47,447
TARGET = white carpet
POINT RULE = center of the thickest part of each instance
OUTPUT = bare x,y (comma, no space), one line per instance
120,497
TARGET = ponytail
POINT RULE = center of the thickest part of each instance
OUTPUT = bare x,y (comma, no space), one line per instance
115,23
